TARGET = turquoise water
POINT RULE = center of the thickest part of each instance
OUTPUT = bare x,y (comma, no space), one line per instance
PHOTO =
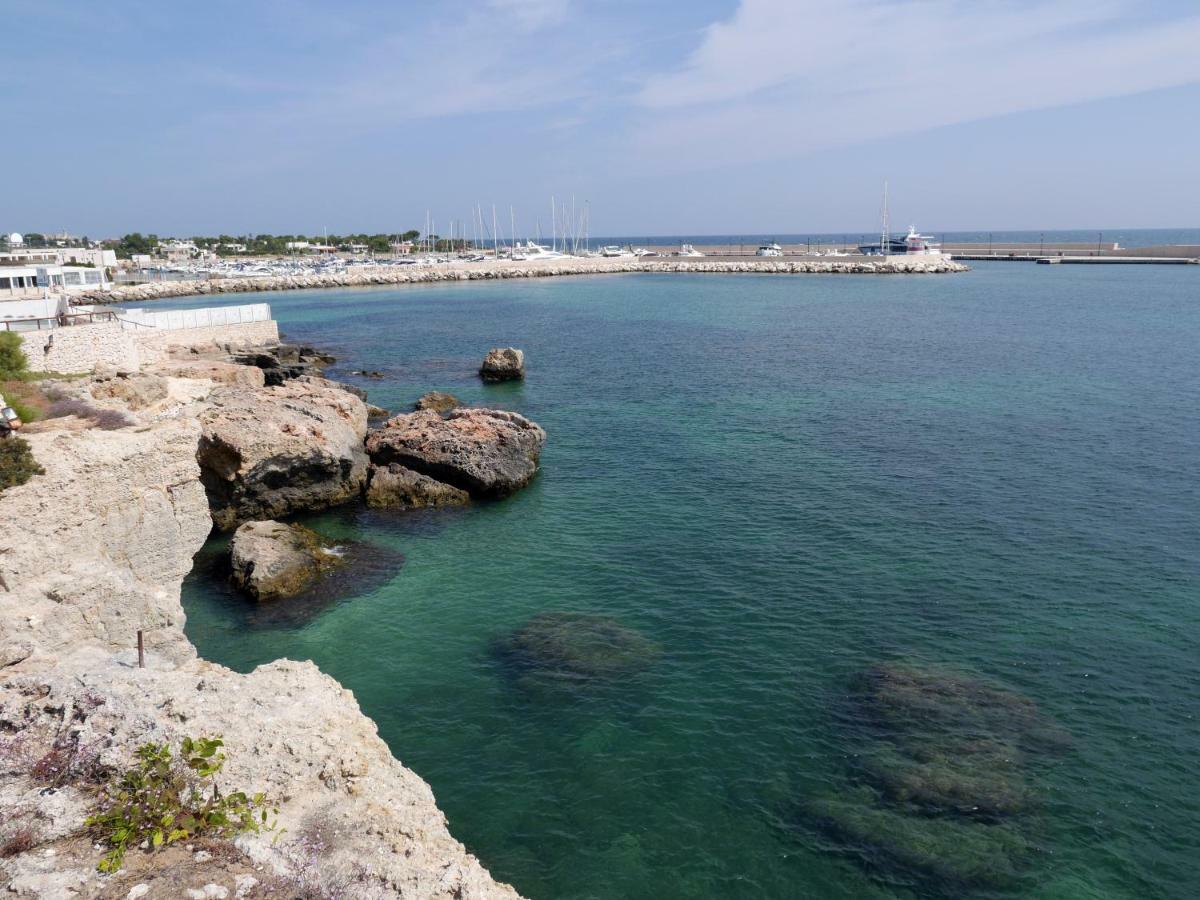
781,481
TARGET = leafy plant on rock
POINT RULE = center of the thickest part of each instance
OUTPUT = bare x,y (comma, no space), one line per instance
163,799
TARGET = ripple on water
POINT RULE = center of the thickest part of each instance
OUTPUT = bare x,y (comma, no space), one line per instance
783,483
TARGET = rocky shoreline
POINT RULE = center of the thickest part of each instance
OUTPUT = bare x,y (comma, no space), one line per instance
392,275
94,551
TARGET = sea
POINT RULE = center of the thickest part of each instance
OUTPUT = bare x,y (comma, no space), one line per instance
867,540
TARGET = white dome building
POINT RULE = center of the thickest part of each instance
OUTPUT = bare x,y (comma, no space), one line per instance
15,239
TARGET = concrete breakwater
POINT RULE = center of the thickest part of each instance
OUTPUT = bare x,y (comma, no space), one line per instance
366,276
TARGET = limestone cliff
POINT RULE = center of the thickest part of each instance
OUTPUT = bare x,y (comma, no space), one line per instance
96,549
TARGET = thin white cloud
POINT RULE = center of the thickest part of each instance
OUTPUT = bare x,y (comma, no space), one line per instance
532,15
781,79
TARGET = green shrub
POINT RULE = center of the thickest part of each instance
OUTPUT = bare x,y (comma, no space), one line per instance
163,799
17,464
12,358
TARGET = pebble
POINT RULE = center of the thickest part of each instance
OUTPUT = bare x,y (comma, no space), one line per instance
208,892
245,884
138,890
202,856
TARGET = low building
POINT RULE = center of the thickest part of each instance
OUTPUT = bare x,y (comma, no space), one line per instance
31,282
179,251
87,256
26,256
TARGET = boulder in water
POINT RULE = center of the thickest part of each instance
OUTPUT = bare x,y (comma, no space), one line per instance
486,452
503,364
271,560
395,487
279,450
436,401
578,645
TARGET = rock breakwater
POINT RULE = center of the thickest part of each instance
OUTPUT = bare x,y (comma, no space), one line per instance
367,276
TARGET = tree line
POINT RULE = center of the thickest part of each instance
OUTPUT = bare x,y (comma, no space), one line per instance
259,244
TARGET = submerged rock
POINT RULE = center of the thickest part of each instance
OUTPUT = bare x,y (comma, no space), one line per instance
271,560
955,853
942,776
578,645
486,452
396,487
437,401
983,778
284,449
931,702
503,364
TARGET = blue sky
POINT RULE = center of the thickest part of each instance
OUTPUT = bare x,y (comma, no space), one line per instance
715,116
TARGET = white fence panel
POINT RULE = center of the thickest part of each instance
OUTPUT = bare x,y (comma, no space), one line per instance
209,317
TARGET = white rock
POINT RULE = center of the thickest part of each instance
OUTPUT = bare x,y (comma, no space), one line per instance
138,890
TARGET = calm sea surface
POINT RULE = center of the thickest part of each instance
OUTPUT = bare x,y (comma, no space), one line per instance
783,481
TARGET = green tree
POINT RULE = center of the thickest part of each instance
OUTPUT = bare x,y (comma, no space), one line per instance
12,358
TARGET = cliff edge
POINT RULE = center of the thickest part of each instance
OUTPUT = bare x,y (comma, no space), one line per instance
95,549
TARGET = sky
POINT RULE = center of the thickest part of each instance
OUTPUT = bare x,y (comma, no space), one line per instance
705,117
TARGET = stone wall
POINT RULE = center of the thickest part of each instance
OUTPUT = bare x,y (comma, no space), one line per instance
78,348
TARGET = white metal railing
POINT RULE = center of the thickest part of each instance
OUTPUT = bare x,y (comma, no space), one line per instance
208,317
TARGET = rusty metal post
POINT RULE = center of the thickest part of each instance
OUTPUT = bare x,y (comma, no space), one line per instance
141,651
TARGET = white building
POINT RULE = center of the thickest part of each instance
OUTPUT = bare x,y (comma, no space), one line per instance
31,282
87,256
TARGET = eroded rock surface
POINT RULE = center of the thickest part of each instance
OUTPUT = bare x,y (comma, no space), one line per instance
271,560
503,364
280,450
395,487
486,452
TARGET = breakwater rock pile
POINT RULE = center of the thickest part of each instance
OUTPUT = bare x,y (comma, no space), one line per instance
93,551
366,276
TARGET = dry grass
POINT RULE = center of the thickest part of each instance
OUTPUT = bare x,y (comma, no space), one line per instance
19,838
98,417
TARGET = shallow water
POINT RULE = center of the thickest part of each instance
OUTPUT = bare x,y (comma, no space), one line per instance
781,481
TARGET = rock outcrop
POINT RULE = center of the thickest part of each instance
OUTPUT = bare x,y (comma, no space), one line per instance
395,487
486,452
503,364
280,450
271,560
436,401
284,362
94,550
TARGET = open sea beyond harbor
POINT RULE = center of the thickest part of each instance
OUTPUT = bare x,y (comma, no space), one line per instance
911,564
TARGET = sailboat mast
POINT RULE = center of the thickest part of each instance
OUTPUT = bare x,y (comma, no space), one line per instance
883,238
